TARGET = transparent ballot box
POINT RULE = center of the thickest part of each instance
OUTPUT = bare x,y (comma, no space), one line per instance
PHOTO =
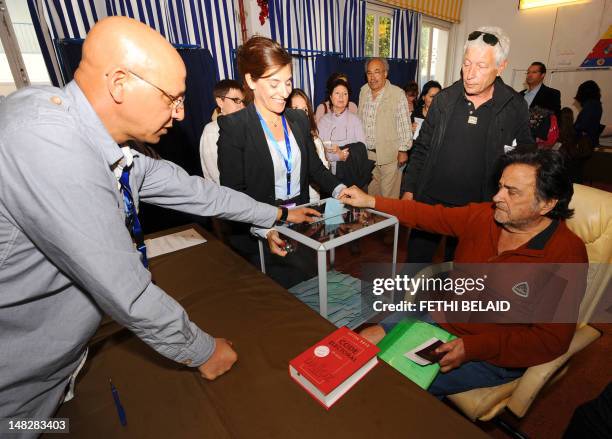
336,291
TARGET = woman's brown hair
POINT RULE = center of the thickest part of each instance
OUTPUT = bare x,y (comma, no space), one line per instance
256,57
314,131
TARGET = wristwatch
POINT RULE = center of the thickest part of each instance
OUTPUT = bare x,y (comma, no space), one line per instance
284,215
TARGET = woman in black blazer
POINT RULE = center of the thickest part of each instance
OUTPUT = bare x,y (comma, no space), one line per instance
266,151
246,164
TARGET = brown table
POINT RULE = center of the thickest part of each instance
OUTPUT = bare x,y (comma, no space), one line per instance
257,398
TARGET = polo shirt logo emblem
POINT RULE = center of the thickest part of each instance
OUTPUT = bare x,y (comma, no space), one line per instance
521,289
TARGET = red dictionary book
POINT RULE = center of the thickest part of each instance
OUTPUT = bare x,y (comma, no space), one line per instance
331,367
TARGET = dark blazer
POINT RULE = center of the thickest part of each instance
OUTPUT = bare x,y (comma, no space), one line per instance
588,121
244,159
546,97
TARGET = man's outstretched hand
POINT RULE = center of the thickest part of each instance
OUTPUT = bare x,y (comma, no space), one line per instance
353,196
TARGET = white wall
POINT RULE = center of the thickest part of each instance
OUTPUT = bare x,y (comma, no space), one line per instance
559,37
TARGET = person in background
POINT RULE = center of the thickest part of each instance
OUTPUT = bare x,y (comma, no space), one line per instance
229,99
430,89
343,137
588,121
384,113
567,133
412,92
339,126
575,154
267,152
537,94
298,100
544,106
469,127
325,106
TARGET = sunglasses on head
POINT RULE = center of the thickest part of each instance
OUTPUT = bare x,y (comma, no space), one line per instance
488,38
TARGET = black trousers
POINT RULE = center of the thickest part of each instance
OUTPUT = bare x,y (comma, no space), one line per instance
593,419
287,271
422,245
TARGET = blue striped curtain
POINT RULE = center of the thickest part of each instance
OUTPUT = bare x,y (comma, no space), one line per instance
210,24
405,35
309,25
353,29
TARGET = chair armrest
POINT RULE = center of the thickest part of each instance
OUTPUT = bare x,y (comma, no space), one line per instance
536,377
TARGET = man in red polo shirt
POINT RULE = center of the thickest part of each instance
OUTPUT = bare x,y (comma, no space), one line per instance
525,224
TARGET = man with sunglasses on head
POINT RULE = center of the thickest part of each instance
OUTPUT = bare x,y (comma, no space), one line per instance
69,190
229,99
469,126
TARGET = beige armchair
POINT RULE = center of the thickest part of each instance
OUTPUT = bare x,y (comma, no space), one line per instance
592,222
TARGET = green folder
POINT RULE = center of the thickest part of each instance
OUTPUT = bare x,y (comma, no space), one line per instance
405,336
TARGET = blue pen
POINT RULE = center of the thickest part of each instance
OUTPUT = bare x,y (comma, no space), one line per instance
120,411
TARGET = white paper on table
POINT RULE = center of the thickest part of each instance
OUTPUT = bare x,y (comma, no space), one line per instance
173,242
418,121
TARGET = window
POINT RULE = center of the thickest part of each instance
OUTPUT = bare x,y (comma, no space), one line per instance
20,54
378,31
432,51
7,83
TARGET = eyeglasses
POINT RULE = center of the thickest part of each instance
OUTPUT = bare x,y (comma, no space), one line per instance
236,101
176,103
488,38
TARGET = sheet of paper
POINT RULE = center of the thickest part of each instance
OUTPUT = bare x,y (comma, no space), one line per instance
333,212
173,242
418,121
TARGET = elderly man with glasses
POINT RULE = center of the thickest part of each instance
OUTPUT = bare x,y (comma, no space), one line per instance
384,114
469,126
68,196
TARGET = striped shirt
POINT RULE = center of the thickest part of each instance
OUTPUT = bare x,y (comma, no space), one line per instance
404,129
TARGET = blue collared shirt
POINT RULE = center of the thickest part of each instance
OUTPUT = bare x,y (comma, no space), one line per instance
66,257
531,94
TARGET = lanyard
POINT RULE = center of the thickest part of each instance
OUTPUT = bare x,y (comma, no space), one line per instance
131,216
287,160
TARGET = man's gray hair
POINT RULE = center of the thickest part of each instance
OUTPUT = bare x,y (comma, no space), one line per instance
382,60
502,49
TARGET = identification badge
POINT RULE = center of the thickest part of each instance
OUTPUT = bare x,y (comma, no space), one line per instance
473,120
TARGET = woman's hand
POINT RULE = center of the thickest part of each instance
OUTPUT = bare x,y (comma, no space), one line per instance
276,244
344,154
302,215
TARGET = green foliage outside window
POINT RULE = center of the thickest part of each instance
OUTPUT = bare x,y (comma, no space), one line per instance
384,36
369,35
